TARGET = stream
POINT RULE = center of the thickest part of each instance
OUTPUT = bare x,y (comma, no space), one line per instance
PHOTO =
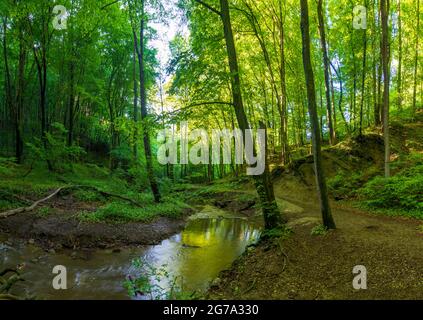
210,242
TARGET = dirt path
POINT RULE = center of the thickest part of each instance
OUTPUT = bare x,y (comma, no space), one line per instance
320,267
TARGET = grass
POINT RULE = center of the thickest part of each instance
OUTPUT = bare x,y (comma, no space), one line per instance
40,182
118,212
319,230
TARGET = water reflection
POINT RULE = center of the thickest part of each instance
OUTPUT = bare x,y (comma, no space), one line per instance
202,250
208,245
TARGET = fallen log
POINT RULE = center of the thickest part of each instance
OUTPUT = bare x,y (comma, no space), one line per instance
31,207
37,203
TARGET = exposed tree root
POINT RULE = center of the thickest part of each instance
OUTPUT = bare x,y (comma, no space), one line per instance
59,190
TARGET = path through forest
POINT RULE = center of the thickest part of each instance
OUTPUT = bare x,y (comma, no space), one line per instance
320,267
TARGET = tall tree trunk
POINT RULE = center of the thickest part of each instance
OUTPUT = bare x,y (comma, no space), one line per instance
40,56
332,137
312,108
363,77
135,116
8,80
384,10
399,76
264,186
20,97
144,113
279,98
285,142
416,56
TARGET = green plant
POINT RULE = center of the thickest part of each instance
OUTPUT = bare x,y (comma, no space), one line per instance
55,150
88,196
282,232
120,212
148,283
319,230
344,185
43,211
404,191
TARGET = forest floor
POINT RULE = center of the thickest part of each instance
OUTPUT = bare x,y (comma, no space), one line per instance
83,218
303,265
306,266
297,266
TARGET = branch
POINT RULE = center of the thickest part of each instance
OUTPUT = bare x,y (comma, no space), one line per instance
109,4
200,104
208,7
37,203
31,207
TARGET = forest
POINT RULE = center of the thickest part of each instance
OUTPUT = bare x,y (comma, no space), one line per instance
211,149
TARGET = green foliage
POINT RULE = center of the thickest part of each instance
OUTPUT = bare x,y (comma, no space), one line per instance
6,165
147,283
88,196
282,232
344,185
319,230
56,150
44,212
402,191
396,192
120,212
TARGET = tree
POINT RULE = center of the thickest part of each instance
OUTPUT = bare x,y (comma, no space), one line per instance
384,10
332,134
140,51
312,109
263,183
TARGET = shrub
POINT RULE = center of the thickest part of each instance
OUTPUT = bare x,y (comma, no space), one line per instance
319,230
404,191
57,152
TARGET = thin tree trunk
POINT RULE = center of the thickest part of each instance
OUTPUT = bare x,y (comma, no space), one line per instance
144,113
399,77
135,116
332,137
363,78
312,108
384,9
416,59
264,186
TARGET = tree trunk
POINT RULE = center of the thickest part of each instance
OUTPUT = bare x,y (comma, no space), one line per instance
20,97
399,76
332,137
264,186
285,142
144,113
384,9
312,108
416,65
135,116
363,77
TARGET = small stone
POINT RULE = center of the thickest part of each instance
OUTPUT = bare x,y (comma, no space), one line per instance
52,251
31,241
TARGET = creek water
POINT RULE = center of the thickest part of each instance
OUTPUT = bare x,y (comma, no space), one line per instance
210,242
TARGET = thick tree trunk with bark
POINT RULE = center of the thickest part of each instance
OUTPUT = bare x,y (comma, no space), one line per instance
312,108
